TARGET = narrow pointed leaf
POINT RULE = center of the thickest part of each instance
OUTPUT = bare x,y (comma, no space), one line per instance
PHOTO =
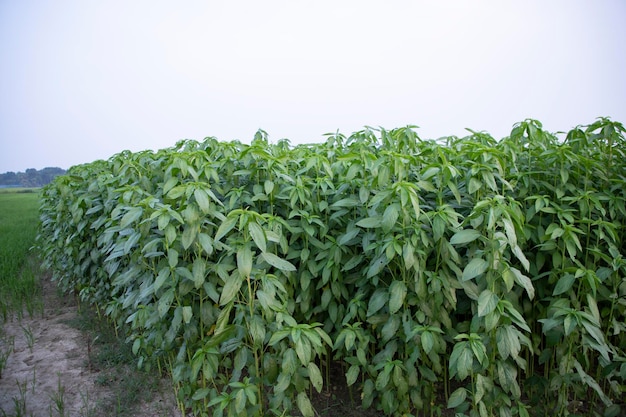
258,235
397,294
278,262
465,236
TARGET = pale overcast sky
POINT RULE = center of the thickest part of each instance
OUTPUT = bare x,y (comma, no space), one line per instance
82,80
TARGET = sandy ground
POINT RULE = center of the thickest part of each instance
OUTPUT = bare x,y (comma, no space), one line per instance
47,366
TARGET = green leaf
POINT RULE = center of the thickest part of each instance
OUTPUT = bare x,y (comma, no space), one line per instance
519,254
509,229
304,405
303,350
244,261
131,216
352,374
346,202
465,236
187,314
397,294
474,268
352,263
202,199
165,301
564,284
377,265
390,217
277,262
225,227
508,342
198,271
589,381
268,300
315,376
169,184
524,281
507,376
163,275
487,302
348,236
461,360
377,301
514,315
370,222
282,383
200,394
390,329
257,330
258,235
278,336
457,397
383,379
206,243
136,346
231,288
428,341
189,235
483,385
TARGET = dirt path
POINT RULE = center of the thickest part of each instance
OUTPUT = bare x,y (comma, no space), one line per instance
47,371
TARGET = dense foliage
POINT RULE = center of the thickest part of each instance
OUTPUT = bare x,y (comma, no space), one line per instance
480,275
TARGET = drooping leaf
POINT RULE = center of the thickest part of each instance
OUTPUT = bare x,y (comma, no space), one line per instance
202,199
162,276
225,227
474,268
304,405
564,284
487,302
198,271
352,374
457,397
278,262
370,222
131,216
315,376
390,217
187,314
244,261
524,281
258,235
231,288
377,301
397,294
465,236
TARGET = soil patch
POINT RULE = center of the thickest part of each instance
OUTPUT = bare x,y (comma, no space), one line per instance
47,372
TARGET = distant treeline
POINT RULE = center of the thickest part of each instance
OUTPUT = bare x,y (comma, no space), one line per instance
30,178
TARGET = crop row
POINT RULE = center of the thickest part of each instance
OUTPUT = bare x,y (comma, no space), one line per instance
481,275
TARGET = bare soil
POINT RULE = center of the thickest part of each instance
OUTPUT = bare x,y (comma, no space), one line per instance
48,373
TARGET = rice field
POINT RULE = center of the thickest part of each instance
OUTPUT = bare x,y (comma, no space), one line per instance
18,228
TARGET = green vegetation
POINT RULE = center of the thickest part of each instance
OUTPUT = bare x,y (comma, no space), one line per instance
18,266
483,276
30,178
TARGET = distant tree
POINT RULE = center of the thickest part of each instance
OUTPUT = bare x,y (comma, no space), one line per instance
30,178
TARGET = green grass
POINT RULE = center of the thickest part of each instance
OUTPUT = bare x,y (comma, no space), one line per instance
18,266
